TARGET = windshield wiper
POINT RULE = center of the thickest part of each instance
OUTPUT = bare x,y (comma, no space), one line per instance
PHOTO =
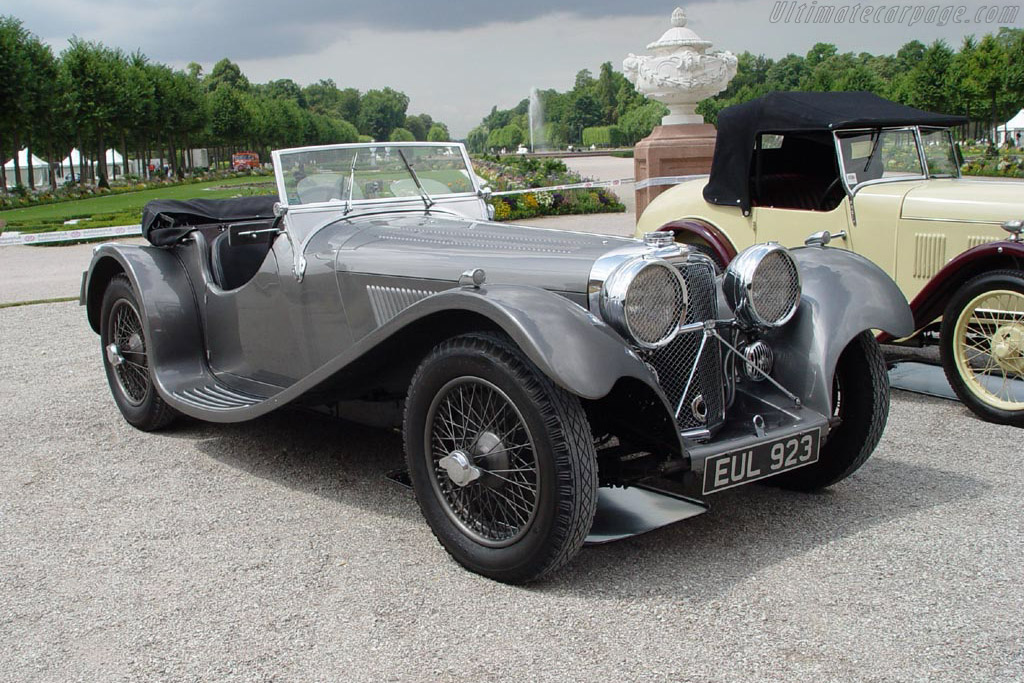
351,184
416,179
874,148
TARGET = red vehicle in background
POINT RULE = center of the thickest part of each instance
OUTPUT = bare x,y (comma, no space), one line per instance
243,161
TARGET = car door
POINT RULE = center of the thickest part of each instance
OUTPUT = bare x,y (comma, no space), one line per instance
790,227
249,334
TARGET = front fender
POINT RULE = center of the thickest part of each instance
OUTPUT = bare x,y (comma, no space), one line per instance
843,295
574,348
931,301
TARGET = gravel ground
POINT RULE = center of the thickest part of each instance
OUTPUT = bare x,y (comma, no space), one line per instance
277,550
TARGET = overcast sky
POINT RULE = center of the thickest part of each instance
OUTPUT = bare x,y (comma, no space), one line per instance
457,58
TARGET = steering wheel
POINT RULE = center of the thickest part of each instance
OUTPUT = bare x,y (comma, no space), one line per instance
828,191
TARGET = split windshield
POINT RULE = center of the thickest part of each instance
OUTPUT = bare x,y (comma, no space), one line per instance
369,172
893,154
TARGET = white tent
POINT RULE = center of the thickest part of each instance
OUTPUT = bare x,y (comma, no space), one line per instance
73,159
39,167
115,163
1013,128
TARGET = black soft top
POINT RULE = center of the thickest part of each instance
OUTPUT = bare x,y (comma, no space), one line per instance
785,112
165,221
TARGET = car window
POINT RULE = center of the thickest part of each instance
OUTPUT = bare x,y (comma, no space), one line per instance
879,154
939,152
372,172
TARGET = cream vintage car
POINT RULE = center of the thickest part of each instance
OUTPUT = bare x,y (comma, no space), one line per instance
861,173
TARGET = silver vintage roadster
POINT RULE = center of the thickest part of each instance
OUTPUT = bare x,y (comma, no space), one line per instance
532,370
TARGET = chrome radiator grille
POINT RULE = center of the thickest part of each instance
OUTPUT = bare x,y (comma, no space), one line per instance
674,362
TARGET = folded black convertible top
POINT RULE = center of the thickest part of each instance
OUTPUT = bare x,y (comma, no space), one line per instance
165,221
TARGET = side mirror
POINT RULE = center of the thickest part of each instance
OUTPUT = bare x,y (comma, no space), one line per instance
1014,228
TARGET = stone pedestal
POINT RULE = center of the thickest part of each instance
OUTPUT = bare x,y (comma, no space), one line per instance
684,149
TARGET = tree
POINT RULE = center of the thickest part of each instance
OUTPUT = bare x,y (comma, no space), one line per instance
606,90
402,135
926,84
438,133
585,112
476,139
638,123
987,68
15,74
226,72
508,137
381,111
96,75
584,80
414,124
820,53
285,88
229,119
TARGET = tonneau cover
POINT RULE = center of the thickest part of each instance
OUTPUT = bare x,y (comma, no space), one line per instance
165,221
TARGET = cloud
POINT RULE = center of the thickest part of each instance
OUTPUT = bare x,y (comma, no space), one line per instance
454,59
209,29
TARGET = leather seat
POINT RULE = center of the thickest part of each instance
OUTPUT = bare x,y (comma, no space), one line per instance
233,265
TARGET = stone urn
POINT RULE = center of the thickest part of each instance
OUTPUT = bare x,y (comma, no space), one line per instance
680,72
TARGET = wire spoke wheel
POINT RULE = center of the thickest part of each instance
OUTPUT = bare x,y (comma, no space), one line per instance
501,459
128,355
483,461
127,359
989,348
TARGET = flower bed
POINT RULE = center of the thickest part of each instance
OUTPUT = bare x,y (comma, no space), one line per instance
980,160
520,173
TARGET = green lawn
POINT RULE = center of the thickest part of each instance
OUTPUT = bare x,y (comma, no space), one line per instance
126,208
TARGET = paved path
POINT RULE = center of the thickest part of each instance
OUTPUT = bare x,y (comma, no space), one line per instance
32,273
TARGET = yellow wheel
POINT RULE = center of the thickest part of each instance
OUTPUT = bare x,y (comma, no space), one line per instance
983,346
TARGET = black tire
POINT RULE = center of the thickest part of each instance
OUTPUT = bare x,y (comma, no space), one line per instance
546,447
985,398
128,372
861,403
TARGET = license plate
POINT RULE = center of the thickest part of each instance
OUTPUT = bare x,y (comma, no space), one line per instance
762,460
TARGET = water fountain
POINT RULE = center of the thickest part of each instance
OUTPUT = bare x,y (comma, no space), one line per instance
535,113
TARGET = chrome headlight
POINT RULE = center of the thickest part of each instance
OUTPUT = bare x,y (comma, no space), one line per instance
762,285
645,300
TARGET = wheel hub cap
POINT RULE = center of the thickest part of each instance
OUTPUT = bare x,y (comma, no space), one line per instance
1007,344
114,356
459,468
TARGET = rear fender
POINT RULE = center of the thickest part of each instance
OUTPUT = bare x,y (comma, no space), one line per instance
169,312
843,295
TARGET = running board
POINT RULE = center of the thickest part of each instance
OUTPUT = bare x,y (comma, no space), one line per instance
216,398
622,512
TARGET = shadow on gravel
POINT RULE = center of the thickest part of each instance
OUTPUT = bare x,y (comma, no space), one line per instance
696,560
312,453
754,527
